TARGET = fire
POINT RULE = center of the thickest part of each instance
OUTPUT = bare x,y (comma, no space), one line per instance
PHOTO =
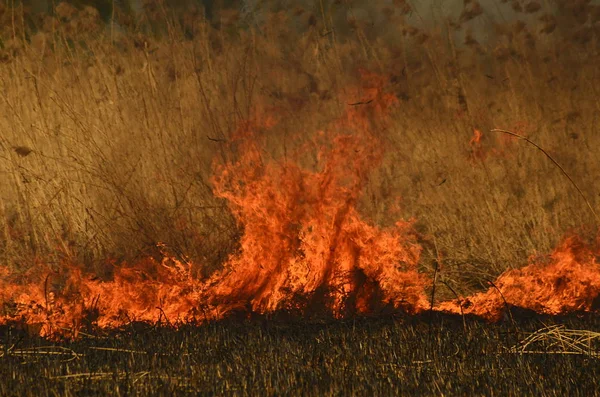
568,283
477,152
305,249
476,139
304,241
147,291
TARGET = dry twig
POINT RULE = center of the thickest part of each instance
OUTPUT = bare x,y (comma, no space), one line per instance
555,163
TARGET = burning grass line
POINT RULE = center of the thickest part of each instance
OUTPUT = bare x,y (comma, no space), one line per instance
555,163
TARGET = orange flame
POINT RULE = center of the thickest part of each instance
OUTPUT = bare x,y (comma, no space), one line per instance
477,150
476,139
147,291
569,283
303,239
305,249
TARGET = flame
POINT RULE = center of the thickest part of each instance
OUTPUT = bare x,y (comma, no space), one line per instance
477,152
568,283
304,241
304,249
504,145
148,291
476,139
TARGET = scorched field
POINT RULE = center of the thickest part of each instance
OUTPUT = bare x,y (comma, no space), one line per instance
356,198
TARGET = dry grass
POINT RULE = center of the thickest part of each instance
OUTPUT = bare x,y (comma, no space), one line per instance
558,339
108,135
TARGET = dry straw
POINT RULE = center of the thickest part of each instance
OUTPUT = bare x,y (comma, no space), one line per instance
558,339
555,163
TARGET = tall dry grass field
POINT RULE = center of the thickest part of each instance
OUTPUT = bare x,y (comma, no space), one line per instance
108,134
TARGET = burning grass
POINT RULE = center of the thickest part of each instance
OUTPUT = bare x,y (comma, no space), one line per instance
304,247
344,176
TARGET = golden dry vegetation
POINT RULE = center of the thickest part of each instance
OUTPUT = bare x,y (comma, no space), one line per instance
108,135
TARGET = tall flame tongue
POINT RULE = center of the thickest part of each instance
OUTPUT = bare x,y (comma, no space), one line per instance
304,243
304,248
568,283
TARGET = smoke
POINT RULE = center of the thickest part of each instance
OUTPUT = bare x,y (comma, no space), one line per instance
384,19
376,19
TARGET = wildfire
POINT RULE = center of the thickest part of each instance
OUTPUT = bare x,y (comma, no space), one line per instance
568,283
304,243
304,249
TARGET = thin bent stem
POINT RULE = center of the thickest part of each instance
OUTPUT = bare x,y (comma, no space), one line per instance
554,161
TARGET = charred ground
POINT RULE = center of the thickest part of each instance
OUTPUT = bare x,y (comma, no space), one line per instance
385,355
